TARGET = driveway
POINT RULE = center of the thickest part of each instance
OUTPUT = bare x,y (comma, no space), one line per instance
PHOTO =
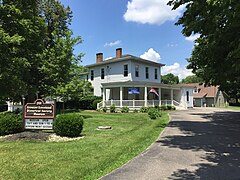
201,143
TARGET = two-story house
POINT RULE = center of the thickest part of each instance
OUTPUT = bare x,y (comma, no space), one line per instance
127,80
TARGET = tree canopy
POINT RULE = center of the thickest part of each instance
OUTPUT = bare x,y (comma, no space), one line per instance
169,79
36,47
191,79
216,54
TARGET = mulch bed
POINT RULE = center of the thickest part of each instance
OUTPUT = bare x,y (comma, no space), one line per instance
29,135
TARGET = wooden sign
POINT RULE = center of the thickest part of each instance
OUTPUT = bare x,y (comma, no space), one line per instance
39,110
38,115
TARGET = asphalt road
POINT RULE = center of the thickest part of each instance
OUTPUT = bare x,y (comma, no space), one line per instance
197,144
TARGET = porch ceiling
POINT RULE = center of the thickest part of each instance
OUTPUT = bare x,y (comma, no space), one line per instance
139,84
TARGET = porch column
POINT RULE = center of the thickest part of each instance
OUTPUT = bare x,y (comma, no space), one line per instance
121,96
104,96
145,96
159,98
172,96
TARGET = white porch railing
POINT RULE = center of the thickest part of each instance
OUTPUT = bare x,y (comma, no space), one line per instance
140,103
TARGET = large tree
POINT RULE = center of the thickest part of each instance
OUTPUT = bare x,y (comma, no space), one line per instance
191,79
169,79
216,55
36,48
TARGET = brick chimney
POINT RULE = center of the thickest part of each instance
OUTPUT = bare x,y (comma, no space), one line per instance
99,57
118,52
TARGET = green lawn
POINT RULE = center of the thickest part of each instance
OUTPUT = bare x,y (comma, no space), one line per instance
234,107
97,154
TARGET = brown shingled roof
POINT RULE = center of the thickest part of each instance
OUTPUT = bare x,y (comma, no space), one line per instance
208,91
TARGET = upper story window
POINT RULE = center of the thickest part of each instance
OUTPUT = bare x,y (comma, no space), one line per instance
137,71
92,75
147,72
102,73
156,73
125,70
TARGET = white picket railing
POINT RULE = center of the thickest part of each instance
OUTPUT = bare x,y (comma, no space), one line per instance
140,103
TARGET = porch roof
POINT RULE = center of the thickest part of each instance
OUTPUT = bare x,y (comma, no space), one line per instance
139,84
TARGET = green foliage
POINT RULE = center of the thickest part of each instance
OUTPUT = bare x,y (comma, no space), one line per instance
191,79
169,79
36,48
69,125
153,113
112,108
135,111
215,57
143,109
10,123
104,109
125,109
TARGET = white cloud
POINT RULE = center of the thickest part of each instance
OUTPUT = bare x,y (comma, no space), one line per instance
152,55
114,43
177,70
192,38
151,12
172,44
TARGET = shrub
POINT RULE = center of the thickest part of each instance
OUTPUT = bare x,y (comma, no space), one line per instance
173,108
88,102
112,108
104,109
135,111
169,107
125,109
153,113
143,109
163,107
10,123
69,125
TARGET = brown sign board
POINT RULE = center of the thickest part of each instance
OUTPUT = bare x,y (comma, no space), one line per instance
39,110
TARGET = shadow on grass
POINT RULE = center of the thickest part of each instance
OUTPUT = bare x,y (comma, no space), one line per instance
219,137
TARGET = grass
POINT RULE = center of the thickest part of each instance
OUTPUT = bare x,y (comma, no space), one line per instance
234,108
97,154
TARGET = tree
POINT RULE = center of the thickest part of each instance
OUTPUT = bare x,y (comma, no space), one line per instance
216,54
191,79
36,48
169,79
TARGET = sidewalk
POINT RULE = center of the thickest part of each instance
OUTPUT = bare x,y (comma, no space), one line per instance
197,144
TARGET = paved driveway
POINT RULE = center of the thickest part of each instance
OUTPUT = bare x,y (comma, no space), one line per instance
197,144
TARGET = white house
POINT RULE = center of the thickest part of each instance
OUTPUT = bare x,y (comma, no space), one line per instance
127,80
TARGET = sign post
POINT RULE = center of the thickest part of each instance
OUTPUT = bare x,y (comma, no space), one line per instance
38,115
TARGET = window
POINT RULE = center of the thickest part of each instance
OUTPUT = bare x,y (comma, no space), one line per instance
187,93
87,77
125,72
92,75
102,73
137,71
156,73
147,72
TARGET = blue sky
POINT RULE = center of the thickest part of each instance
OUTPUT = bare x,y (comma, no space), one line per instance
143,28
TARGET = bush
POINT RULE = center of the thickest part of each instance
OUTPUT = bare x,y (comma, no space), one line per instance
163,107
153,113
104,109
135,111
69,125
125,109
10,123
143,109
88,102
169,107
112,108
